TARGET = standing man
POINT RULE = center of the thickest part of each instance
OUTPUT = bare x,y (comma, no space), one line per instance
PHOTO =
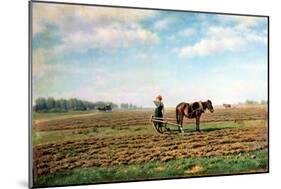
159,110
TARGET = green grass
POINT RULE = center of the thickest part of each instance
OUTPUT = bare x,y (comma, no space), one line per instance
73,134
64,135
256,161
49,115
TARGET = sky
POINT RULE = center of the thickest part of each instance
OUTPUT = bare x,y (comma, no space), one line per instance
133,55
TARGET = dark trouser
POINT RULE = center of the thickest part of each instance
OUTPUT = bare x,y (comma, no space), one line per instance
158,114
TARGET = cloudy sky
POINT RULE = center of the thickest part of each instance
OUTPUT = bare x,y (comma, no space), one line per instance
132,55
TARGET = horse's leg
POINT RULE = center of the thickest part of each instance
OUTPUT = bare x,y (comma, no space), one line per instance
180,122
182,117
198,123
181,128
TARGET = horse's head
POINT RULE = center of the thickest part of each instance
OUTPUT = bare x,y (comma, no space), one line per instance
210,106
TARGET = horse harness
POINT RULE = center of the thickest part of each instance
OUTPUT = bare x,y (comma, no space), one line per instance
193,107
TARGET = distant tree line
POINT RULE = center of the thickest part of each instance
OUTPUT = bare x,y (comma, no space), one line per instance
51,104
254,102
128,106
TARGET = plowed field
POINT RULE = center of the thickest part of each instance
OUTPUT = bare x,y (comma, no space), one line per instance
131,118
141,147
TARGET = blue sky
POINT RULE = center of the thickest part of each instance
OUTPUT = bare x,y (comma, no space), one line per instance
131,55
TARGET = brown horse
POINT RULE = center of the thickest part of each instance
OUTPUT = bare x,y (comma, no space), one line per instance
192,110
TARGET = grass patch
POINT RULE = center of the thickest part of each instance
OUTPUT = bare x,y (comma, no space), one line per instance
212,126
49,115
256,161
44,137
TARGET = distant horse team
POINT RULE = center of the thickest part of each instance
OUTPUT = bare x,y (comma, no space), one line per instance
192,110
105,108
226,106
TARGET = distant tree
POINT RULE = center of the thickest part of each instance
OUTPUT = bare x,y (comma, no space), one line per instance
128,106
80,105
51,103
72,103
251,102
40,104
124,105
63,103
114,106
263,102
58,105
100,104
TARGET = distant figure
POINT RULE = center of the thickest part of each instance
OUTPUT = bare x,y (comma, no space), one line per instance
227,106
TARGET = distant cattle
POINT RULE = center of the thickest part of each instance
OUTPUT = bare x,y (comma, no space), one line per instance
227,106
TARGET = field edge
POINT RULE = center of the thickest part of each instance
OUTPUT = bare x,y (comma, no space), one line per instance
242,163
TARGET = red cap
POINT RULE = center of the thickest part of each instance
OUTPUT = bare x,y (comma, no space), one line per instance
159,97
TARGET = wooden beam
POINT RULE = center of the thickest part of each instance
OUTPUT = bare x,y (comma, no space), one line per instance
166,122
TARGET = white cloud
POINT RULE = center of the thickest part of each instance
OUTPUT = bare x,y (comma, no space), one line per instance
163,23
83,28
62,15
110,36
217,40
242,22
258,38
94,27
187,32
220,39
245,23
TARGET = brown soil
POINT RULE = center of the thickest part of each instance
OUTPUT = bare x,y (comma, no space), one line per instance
142,117
138,149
